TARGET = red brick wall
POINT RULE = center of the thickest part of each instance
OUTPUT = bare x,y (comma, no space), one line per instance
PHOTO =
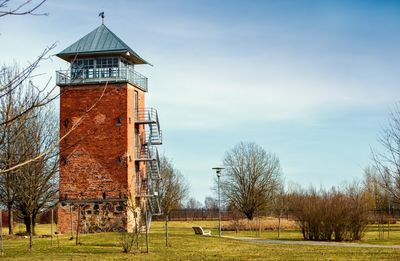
92,151
98,155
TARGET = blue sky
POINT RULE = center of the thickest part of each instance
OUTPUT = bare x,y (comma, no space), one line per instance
312,81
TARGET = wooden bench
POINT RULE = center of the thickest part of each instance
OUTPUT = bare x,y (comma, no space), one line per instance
199,231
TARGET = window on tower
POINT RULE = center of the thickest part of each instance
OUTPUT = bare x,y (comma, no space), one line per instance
83,69
108,67
99,68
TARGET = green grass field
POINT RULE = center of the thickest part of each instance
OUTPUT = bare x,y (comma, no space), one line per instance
184,245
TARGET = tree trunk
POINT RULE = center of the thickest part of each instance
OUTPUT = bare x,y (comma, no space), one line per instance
1,232
279,225
27,223
31,232
51,228
33,225
166,230
10,220
137,233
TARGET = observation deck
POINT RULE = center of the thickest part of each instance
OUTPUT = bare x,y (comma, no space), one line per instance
101,75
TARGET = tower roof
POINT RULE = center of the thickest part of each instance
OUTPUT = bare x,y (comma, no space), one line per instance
100,41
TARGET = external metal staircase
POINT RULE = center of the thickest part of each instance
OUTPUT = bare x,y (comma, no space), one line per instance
147,152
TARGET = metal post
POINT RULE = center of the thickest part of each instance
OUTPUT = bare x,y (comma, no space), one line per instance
71,222
78,225
219,209
218,172
147,231
147,215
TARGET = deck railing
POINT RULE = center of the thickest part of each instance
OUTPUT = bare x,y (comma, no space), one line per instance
101,75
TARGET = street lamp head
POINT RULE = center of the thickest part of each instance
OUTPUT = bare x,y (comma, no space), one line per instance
218,171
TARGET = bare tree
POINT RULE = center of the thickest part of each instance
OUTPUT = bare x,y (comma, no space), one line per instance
373,186
173,190
387,160
9,155
336,214
36,183
280,205
252,177
16,111
27,7
193,203
13,82
210,203
32,187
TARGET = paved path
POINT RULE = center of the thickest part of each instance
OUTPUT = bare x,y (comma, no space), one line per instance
312,243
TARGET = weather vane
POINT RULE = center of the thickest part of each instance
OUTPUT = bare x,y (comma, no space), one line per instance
102,17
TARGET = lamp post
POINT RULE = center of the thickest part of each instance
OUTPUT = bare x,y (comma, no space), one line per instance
218,171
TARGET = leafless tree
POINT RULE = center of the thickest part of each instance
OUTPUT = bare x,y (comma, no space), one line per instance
280,205
10,105
251,179
387,160
373,186
210,203
32,187
336,214
36,183
173,190
27,7
14,82
193,203
17,108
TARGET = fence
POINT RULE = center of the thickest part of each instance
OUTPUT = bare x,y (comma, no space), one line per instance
212,214
197,214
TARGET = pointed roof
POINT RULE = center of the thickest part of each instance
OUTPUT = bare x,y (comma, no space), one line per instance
100,41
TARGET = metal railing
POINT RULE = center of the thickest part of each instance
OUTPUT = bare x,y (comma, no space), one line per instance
149,117
96,75
149,153
146,153
151,137
146,115
150,186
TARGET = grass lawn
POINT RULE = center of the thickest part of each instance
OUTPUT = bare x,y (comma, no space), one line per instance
184,245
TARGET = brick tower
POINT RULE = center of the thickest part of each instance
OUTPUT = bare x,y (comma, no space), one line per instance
109,168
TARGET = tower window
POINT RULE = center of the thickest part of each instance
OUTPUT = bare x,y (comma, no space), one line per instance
108,67
95,68
83,68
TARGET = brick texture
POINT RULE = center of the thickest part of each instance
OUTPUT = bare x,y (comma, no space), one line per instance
98,156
